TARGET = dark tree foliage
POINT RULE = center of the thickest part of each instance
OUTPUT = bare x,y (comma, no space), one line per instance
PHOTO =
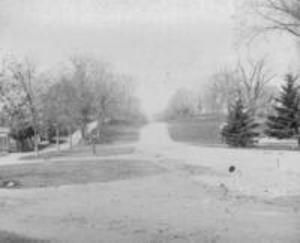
23,135
240,128
285,123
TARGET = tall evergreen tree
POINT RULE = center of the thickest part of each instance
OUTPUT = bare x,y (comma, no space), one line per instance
285,123
240,128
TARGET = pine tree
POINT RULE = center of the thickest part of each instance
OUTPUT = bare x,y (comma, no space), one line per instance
285,123
240,128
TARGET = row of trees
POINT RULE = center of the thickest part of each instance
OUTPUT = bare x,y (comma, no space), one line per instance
251,78
184,103
241,129
245,92
42,105
283,121
246,98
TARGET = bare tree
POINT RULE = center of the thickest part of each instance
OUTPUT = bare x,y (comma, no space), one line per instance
102,94
278,15
250,79
21,95
124,104
103,91
84,93
60,108
184,103
220,91
24,74
253,77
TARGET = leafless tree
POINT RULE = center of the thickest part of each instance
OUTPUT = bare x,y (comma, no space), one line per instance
278,15
60,108
250,79
22,82
220,91
85,100
253,78
184,103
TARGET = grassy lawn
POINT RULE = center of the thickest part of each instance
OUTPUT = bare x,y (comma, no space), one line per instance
203,130
83,151
6,237
117,133
49,174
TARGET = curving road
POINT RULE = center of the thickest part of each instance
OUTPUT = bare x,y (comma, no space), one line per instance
155,134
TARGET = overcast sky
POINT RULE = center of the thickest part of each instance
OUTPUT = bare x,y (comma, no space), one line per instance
164,44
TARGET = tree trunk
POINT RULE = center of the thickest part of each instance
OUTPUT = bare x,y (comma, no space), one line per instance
35,123
83,132
19,145
70,138
100,127
299,141
36,144
94,146
57,138
98,135
36,135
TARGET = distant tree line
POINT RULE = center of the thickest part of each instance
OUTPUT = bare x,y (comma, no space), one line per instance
250,78
252,105
182,104
283,122
245,93
42,106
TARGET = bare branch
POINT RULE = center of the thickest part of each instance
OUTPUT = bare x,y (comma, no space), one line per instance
280,15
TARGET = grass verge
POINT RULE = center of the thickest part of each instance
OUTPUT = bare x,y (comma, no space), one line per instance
51,174
120,132
81,151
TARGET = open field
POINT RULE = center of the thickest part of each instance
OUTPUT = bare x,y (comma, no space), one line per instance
162,192
165,208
